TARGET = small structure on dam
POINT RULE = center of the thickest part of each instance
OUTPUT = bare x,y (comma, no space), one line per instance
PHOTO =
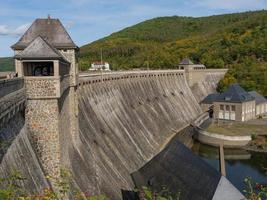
45,57
101,128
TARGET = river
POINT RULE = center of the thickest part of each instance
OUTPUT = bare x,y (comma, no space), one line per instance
239,164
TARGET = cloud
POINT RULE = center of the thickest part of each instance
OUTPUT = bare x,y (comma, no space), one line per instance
5,30
230,4
69,24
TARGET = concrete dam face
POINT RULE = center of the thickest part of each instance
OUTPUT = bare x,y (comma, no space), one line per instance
125,119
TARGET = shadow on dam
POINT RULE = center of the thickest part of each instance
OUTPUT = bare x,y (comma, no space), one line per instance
178,170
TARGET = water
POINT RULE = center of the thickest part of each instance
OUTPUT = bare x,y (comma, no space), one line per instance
239,164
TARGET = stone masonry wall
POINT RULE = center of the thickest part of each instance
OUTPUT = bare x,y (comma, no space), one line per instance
42,87
42,122
70,56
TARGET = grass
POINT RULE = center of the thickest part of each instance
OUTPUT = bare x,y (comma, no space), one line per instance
237,129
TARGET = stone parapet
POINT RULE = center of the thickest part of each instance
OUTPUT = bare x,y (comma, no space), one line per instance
10,105
46,87
7,86
42,87
85,79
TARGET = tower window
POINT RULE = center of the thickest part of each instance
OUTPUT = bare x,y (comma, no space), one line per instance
38,68
233,108
43,71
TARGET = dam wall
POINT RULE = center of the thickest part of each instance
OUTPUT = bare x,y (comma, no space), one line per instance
21,157
125,119
202,81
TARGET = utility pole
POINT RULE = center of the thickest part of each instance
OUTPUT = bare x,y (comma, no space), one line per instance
101,54
147,63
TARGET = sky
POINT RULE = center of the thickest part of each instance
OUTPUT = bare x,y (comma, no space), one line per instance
89,20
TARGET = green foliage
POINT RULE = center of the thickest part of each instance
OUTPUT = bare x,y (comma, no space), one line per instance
253,136
12,188
94,197
226,82
236,41
260,117
254,191
148,194
7,64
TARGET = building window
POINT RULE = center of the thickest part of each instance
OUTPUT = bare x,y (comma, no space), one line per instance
221,107
227,108
233,108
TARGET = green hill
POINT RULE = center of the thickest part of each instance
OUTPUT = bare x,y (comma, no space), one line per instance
7,64
237,41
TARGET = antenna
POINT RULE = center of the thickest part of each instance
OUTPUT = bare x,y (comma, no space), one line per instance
101,56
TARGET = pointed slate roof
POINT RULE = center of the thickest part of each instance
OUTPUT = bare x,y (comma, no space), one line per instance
258,98
50,29
186,61
236,94
39,49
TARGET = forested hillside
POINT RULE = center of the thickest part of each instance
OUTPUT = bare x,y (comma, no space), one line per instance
236,41
7,64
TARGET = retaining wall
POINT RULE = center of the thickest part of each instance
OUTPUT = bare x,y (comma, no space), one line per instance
214,139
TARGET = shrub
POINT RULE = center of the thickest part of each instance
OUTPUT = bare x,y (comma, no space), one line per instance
254,191
253,136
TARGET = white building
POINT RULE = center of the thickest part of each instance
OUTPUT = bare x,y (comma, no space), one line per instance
100,66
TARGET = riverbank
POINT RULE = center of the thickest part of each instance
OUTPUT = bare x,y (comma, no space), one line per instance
258,144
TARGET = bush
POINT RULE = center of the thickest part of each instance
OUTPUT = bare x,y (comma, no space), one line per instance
254,191
260,117
253,136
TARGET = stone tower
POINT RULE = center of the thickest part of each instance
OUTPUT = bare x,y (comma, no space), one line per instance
45,57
